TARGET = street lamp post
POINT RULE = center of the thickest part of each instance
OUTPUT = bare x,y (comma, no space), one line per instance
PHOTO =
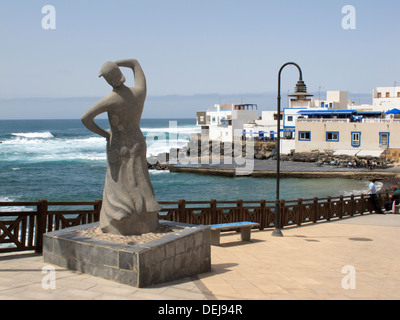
301,93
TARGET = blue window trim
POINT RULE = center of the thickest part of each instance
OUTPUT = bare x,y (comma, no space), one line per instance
380,138
300,132
332,140
284,116
352,140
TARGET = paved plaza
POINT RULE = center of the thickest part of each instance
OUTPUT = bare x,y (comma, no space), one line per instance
354,258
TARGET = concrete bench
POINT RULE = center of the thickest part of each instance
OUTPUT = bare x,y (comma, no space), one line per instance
245,230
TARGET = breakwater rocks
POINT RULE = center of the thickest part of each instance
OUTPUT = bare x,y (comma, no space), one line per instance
241,148
260,150
159,162
197,148
328,158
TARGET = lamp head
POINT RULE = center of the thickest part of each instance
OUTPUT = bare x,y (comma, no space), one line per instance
300,91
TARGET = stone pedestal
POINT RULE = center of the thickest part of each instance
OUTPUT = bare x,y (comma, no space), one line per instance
173,256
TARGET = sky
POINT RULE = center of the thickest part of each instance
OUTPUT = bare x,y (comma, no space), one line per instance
192,47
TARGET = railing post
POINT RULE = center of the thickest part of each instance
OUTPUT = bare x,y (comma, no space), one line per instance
213,212
42,207
283,214
352,205
329,209
97,208
299,211
341,211
315,215
241,211
362,201
263,214
182,211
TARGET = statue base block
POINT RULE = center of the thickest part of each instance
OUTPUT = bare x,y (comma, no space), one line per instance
173,256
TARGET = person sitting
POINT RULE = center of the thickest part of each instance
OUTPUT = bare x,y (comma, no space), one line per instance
394,199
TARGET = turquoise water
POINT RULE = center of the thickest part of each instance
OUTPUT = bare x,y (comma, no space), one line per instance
60,160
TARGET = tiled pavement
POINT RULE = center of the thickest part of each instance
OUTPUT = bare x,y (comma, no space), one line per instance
22,274
310,262
317,261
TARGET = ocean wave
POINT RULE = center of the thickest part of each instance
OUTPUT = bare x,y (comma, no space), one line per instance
154,172
72,157
181,130
87,140
54,149
12,208
156,147
23,140
34,147
33,135
6,199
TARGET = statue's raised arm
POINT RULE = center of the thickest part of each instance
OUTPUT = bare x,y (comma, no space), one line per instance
140,79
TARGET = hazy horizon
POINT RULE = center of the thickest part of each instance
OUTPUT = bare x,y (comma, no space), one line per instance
156,107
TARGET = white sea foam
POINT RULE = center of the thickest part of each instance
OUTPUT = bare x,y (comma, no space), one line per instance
156,172
30,135
12,208
5,199
44,146
90,140
24,140
160,146
87,148
160,140
54,149
179,130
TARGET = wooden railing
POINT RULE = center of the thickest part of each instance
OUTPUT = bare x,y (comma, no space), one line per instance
294,212
24,229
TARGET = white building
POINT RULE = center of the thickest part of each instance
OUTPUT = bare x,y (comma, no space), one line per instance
383,99
366,133
224,122
334,100
386,98
263,127
341,136
334,123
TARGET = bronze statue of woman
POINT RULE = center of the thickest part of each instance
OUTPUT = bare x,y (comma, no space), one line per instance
129,205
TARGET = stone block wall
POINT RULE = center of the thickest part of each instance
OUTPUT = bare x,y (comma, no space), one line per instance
173,256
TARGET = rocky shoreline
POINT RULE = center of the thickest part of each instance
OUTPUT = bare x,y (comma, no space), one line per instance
259,150
197,148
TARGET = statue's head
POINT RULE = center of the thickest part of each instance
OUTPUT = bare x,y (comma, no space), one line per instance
113,75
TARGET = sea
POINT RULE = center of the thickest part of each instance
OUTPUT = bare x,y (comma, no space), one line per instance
61,160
